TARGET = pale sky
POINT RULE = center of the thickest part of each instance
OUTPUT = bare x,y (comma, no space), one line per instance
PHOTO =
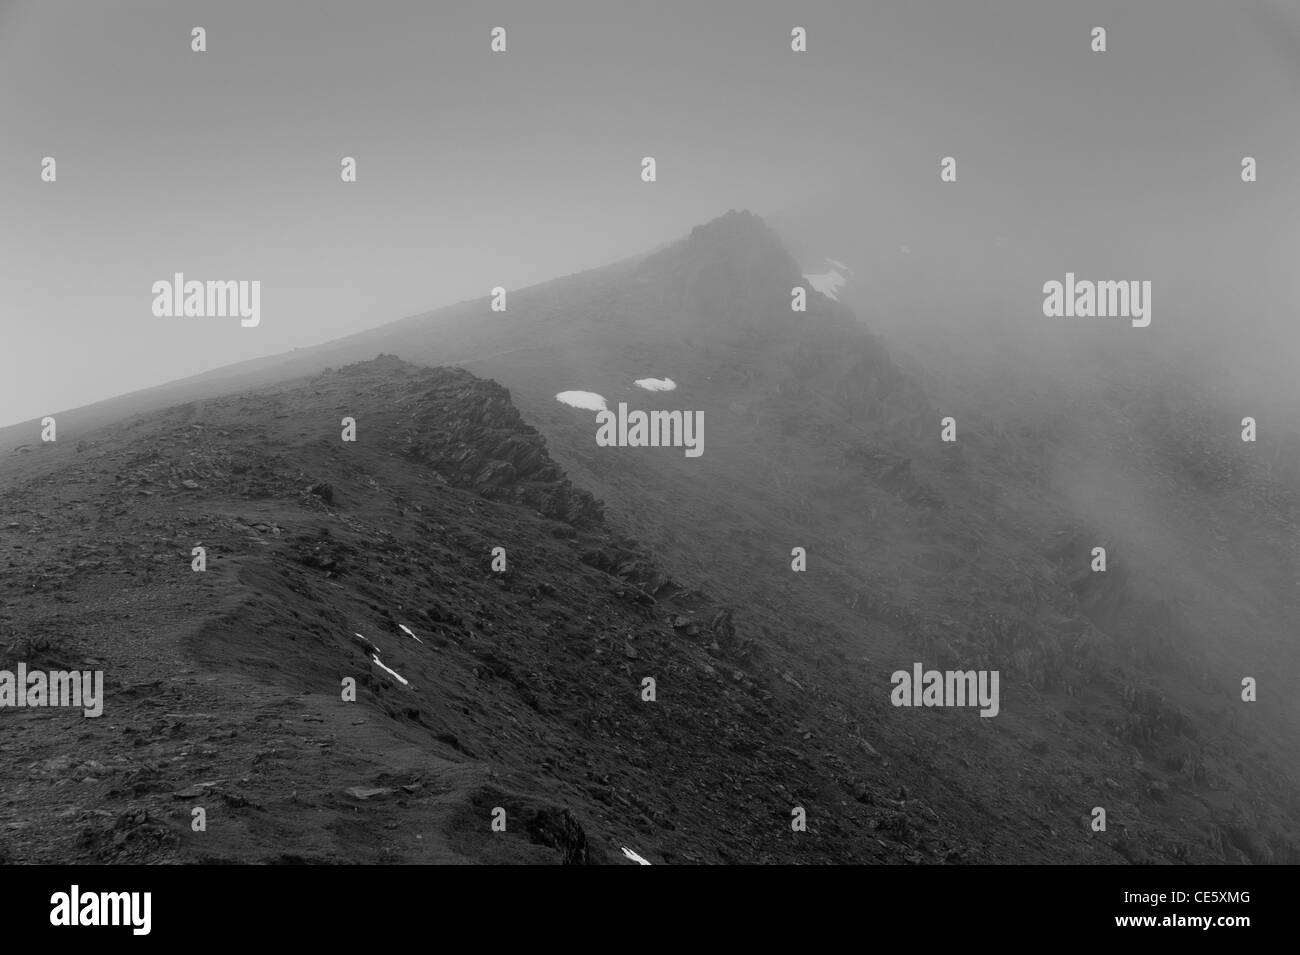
478,170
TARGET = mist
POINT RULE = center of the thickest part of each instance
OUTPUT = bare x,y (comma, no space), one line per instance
1067,160
458,317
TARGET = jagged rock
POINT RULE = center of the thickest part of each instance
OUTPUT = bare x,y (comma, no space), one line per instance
684,626
558,828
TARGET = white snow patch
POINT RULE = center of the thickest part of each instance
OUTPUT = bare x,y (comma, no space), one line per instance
828,283
582,399
400,679
633,856
656,384
407,630
840,265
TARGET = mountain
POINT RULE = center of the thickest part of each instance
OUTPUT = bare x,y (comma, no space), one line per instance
1119,689
516,686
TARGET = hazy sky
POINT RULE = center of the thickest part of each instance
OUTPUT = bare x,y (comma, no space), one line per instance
479,169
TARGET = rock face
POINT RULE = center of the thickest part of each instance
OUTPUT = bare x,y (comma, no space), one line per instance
467,430
353,671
